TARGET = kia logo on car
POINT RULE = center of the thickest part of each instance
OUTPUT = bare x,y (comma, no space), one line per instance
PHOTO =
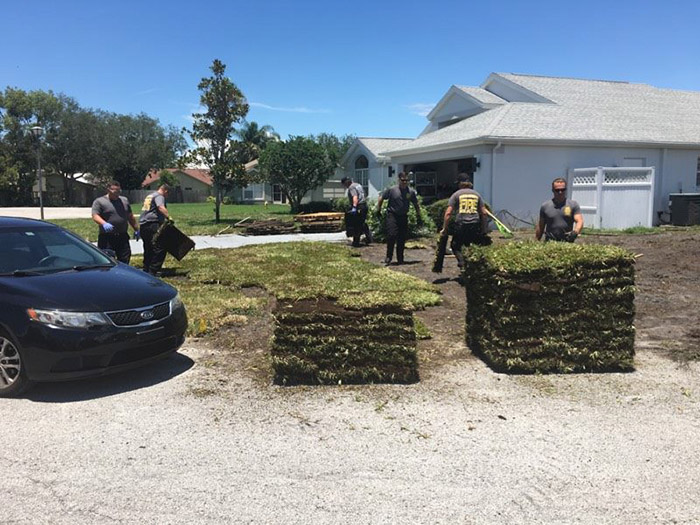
147,315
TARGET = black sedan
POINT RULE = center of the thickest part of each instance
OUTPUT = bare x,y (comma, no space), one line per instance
67,310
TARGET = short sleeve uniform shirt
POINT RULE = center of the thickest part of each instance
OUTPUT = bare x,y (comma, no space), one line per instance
466,204
116,212
558,218
399,199
357,189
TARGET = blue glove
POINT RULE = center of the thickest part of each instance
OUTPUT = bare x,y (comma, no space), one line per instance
353,210
107,227
137,235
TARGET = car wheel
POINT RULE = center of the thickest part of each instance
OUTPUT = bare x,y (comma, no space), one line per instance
13,378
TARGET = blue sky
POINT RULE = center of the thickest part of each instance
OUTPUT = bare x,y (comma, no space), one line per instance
368,68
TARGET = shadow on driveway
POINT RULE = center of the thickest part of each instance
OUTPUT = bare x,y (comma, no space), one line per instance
85,389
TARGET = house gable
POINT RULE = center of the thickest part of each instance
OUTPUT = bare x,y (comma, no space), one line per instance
461,102
511,91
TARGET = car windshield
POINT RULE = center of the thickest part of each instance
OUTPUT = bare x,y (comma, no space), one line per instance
46,249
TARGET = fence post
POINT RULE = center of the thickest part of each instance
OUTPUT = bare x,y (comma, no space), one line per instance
599,177
652,175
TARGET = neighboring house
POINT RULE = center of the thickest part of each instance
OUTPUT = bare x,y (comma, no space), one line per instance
82,190
260,192
515,133
195,184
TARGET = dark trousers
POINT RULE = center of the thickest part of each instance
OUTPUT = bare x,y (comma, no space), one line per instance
118,242
466,235
153,253
360,225
396,232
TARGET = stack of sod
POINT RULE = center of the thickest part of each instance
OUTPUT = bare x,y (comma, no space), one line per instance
319,342
551,307
339,318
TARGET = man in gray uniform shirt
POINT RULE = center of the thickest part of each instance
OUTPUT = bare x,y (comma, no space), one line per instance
358,211
470,221
400,198
113,214
560,218
154,213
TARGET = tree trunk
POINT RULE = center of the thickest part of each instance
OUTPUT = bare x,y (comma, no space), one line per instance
217,205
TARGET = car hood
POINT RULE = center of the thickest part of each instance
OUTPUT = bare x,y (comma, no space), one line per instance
100,290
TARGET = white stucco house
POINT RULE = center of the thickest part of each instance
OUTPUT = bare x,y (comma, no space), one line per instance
515,133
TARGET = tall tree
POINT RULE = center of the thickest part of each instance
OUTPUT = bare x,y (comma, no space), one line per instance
255,138
74,148
19,111
335,146
298,165
133,145
213,131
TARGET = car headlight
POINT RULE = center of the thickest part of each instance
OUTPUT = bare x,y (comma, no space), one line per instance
175,303
63,319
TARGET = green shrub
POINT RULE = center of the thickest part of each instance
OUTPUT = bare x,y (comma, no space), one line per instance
436,210
227,200
211,199
378,228
316,207
339,204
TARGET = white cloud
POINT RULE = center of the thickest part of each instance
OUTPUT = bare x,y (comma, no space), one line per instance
301,109
420,108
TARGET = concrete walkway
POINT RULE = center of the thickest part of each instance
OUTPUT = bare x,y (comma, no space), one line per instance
201,241
235,241
49,213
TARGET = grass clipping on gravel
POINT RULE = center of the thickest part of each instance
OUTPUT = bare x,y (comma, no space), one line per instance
339,319
551,307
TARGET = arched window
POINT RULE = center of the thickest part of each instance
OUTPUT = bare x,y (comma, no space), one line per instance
361,163
362,173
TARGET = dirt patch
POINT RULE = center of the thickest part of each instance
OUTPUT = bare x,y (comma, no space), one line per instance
667,300
667,303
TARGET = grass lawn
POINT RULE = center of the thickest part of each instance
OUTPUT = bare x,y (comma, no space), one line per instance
211,281
194,218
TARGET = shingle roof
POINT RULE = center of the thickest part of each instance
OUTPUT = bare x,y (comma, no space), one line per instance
198,174
482,95
377,145
583,111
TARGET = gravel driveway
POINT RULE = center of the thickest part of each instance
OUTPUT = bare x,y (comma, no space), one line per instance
203,437
177,442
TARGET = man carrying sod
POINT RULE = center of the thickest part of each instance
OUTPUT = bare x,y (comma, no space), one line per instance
400,198
357,215
560,218
470,223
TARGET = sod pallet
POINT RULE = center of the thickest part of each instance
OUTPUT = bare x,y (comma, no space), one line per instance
318,342
322,222
270,227
551,307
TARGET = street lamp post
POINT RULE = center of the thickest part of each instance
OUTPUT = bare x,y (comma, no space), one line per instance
37,131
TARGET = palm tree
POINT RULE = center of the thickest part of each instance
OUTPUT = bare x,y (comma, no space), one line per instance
254,138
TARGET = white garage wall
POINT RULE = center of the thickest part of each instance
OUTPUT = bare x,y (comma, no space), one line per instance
523,174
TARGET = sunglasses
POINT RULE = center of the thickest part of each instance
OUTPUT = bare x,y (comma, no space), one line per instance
560,191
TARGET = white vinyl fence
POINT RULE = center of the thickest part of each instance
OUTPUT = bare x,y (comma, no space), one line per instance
614,198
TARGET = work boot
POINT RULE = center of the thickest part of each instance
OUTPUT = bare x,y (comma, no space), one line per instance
387,261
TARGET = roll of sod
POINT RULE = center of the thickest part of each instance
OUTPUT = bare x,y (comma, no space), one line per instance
320,342
551,307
